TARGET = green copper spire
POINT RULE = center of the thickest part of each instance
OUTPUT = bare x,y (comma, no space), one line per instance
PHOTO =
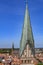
27,32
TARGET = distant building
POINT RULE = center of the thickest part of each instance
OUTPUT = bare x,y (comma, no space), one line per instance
38,50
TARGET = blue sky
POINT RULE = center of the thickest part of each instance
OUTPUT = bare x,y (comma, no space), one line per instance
12,18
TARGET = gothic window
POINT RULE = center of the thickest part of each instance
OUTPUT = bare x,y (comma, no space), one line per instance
29,53
25,53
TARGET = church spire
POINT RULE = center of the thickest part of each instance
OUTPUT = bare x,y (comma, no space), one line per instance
27,31
12,46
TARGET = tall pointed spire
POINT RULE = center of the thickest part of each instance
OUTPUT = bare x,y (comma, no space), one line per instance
12,46
27,31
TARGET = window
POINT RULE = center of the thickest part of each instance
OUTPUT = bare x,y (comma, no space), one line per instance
25,61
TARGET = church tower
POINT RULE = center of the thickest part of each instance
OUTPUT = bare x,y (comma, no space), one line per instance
12,49
27,51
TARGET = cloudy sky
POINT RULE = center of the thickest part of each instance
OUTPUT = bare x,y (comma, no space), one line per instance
12,18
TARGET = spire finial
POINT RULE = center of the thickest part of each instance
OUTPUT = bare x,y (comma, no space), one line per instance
26,1
26,4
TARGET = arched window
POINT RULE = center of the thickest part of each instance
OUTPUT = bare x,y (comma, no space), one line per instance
28,61
25,61
22,61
